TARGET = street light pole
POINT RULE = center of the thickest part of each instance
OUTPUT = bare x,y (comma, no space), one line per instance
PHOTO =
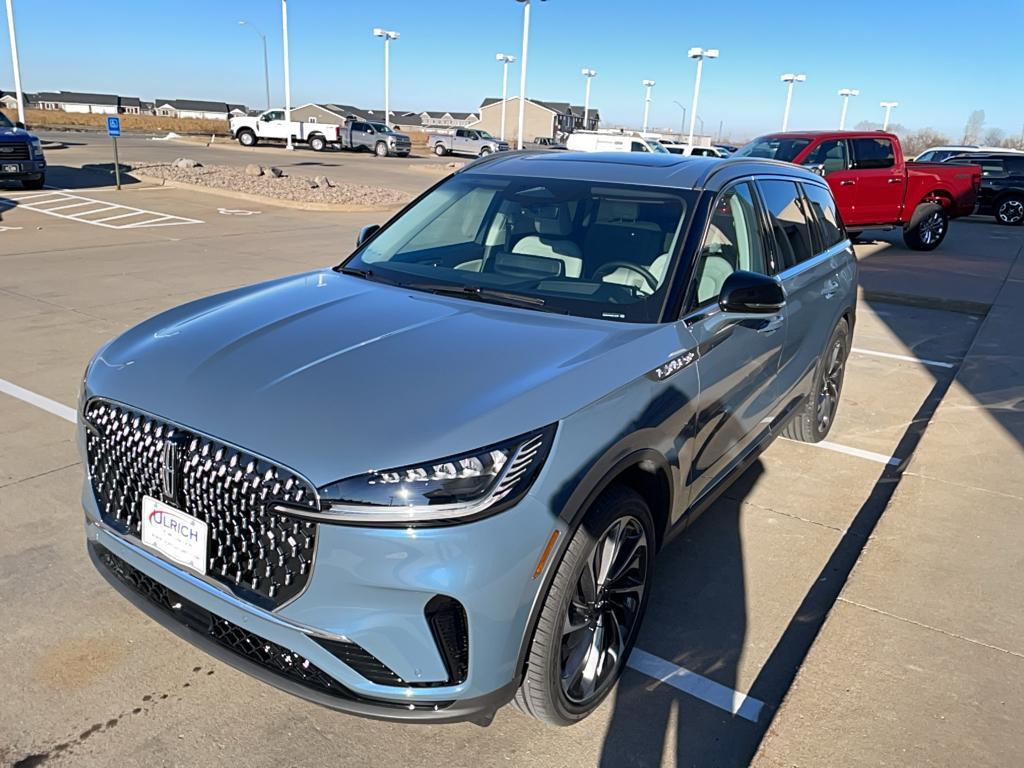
266,65
522,71
888,107
14,62
287,81
505,59
790,79
699,54
388,36
682,120
648,84
846,93
589,74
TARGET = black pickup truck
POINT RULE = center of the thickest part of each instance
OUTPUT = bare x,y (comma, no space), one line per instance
21,155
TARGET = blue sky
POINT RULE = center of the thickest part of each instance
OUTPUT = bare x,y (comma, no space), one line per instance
923,56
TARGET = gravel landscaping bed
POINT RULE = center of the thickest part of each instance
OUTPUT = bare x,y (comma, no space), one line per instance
274,183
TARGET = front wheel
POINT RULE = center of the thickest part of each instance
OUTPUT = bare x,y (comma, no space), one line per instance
439,150
927,228
247,138
1010,210
34,183
592,613
812,422
381,150
485,151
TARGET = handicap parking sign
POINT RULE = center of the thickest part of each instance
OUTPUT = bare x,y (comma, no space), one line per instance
113,126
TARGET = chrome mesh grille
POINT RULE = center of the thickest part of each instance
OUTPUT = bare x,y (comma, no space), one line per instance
263,557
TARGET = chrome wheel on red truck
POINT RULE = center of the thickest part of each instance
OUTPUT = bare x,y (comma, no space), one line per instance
927,228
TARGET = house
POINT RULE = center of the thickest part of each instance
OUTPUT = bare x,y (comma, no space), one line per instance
549,119
337,114
237,110
87,103
447,119
191,109
130,105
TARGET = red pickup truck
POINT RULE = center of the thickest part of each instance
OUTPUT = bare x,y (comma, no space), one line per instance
874,186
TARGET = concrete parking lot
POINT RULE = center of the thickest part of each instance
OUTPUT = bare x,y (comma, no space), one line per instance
740,599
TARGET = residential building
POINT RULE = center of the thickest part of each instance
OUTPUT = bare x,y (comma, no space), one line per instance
548,119
87,103
130,105
431,119
192,109
337,114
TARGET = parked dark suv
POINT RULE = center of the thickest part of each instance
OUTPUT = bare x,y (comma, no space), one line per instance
1002,185
433,479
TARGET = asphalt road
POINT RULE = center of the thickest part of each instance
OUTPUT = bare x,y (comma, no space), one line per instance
89,681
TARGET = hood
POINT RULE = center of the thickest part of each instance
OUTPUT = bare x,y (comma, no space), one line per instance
19,135
333,375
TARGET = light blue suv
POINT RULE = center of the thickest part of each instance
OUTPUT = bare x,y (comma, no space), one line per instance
433,480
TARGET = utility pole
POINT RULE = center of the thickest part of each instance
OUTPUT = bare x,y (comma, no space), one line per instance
505,59
647,84
287,82
699,54
522,72
14,62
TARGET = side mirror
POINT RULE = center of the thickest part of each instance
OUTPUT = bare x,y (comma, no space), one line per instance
19,124
751,293
818,168
366,233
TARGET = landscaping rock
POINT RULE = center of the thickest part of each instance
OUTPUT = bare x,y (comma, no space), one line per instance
253,170
277,173
323,181
187,162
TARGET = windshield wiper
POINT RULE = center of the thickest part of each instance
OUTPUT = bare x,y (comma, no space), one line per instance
485,294
366,274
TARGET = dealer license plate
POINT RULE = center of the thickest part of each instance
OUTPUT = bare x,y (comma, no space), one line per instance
11,168
175,534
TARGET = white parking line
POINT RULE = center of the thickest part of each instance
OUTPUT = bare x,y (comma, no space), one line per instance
51,202
908,358
52,406
860,453
698,686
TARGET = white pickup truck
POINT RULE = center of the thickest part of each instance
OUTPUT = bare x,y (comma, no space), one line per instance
271,126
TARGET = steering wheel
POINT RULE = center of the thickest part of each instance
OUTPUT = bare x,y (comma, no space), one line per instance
644,272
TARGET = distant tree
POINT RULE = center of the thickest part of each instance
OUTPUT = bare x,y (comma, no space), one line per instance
972,130
993,137
916,142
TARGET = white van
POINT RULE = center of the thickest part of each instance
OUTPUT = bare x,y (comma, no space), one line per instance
582,141
681,148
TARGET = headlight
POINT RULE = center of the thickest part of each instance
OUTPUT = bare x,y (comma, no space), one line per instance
451,489
37,147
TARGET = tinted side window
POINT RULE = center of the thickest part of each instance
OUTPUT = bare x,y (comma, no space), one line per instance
359,126
873,153
831,155
461,132
733,242
823,211
638,146
1014,166
790,226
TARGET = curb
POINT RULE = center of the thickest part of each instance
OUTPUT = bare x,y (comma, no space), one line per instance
248,196
926,302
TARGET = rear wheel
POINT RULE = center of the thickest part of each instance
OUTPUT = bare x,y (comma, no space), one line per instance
317,143
1010,210
592,612
247,138
439,150
813,421
927,228
34,183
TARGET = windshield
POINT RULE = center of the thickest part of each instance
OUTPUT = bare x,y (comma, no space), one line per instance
774,147
381,128
485,135
576,247
656,146
5,122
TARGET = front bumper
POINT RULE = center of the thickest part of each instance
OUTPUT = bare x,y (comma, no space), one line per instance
368,587
27,169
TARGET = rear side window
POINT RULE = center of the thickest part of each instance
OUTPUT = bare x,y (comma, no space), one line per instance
823,211
873,153
790,225
1014,166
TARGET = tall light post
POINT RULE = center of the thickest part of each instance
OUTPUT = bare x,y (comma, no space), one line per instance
888,107
522,71
846,93
388,36
699,54
14,62
682,120
589,74
505,59
789,79
287,76
647,84
266,66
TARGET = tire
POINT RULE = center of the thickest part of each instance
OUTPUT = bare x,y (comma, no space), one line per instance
317,143
1010,210
381,149
485,151
439,150
927,228
808,424
247,138
543,694
34,183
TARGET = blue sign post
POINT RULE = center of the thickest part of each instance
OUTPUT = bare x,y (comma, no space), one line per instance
113,131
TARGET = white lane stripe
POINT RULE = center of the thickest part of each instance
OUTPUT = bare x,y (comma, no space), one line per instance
860,453
698,686
908,358
52,406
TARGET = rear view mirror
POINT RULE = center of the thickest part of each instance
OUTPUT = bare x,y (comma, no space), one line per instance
751,293
19,124
366,233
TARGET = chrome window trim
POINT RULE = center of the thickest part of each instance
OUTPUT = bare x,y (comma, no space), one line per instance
815,260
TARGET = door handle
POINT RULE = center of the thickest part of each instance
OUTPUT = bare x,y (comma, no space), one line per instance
895,181
847,183
772,324
830,289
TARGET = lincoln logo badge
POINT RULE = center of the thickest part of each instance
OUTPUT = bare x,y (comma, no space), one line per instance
169,470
